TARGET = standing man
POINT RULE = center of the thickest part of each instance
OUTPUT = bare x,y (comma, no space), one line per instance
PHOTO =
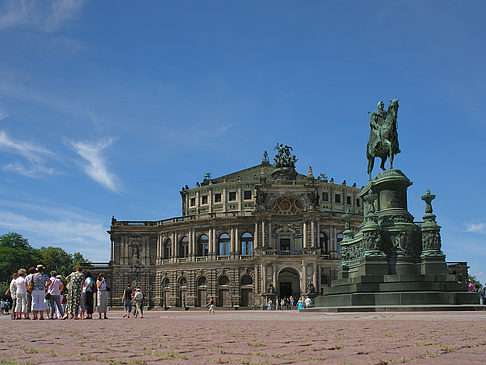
127,300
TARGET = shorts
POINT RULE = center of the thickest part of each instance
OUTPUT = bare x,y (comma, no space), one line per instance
127,305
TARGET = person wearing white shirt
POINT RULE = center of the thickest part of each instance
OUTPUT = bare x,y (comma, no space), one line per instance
54,291
21,305
13,293
308,302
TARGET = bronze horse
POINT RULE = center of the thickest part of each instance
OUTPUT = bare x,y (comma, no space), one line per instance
383,141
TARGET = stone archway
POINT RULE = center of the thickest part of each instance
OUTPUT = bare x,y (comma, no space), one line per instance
288,283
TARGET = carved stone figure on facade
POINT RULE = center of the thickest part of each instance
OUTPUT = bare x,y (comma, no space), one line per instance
383,141
113,220
260,198
313,198
135,250
270,288
311,288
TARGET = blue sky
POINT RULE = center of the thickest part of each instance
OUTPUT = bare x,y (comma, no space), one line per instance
109,107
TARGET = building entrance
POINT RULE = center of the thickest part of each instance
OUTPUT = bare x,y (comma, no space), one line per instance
288,283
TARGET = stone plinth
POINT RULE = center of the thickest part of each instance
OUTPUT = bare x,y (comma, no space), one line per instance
391,260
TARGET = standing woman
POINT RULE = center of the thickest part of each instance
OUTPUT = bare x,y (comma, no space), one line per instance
102,302
300,305
13,293
54,290
76,280
88,289
41,281
21,306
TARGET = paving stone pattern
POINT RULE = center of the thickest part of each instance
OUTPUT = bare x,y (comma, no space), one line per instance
249,337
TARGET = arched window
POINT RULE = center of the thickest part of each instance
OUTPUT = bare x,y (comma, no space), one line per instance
223,280
183,282
224,244
183,247
246,247
323,242
165,284
167,248
201,281
202,245
339,238
246,280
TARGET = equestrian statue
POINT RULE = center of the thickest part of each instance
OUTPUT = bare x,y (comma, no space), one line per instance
383,142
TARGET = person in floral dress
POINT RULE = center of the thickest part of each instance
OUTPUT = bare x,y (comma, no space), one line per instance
76,280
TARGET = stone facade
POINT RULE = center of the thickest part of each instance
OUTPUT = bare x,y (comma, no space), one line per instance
241,236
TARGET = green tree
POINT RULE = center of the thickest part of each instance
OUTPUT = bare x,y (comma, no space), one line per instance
55,258
15,253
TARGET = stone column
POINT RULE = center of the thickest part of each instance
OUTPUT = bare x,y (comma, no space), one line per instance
232,241
264,239
215,242
274,276
174,247
255,237
112,248
237,241
270,235
190,252
304,235
210,242
315,277
256,281
313,234
304,278
264,278
210,200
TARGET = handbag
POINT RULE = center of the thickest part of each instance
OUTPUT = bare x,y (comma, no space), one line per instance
48,296
30,288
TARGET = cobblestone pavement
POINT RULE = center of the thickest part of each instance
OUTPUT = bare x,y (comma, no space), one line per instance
249,337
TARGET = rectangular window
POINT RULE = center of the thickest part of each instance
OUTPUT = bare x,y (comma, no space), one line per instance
325,197
357,202
232,196
348,200
204,199
337,198
247,195
193,202
217,198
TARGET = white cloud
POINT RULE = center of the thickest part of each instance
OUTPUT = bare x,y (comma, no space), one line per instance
476,227
44,15
34,154
96,166
3,114
59,226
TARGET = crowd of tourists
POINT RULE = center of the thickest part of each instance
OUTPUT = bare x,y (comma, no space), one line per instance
288,303
34,293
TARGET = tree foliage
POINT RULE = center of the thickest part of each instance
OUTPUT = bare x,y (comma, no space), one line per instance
16,253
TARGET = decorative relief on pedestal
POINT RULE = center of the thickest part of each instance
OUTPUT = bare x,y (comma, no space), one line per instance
431,241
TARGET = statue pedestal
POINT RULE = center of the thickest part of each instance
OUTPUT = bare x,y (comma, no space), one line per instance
433,263
391,260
